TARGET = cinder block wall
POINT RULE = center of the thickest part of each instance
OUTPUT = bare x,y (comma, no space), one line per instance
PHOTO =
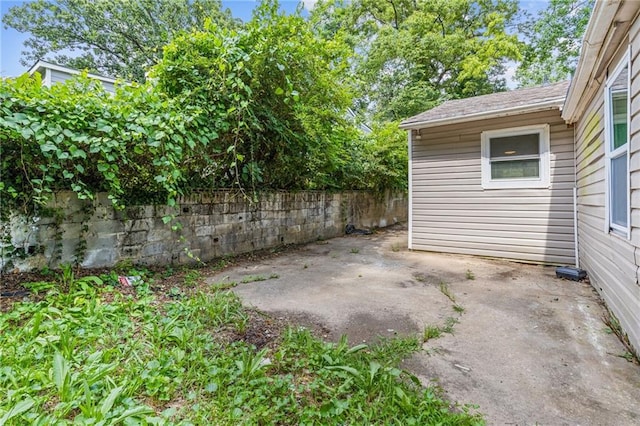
210,225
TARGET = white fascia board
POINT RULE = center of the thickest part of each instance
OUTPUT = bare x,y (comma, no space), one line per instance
522,109
40,65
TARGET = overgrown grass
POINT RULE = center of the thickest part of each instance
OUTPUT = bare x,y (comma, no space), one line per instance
90,354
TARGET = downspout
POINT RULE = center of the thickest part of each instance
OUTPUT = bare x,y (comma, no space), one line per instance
575,225
410,189
575,200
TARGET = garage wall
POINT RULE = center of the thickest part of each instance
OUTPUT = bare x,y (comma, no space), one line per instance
451,212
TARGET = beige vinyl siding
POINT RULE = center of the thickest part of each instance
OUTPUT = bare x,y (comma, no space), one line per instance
611,260
58,76
453,213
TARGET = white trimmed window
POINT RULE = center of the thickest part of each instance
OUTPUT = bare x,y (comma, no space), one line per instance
617,120
516,158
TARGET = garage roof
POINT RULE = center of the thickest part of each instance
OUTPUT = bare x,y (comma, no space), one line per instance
499,104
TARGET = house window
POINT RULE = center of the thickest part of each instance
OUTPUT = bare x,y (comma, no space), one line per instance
516,158
617,148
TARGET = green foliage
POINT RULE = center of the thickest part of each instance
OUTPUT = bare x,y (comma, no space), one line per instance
412,55
119,38
259,108
75,136
91,355
431,332
387,157
276,81
554,39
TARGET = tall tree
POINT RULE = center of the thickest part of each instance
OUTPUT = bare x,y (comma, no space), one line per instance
553,42
271,89
412,54
119,38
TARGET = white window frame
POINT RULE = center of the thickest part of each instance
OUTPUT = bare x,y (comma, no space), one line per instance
545,163
610,154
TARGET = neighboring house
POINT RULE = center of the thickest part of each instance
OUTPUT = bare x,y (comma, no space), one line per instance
52,74
493,176
603,106
353,117
516,174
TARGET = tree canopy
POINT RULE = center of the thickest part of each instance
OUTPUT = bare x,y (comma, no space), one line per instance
118,38
258,105
253,108
412,54
406,55
553,46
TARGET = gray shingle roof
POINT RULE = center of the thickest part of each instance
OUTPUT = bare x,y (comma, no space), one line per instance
494,105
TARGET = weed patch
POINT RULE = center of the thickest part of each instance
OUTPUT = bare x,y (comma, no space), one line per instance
614,326
444,289
89,353
431,332
458,308
435,331
256,278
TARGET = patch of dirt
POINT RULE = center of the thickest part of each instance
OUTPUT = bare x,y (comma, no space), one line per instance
264,330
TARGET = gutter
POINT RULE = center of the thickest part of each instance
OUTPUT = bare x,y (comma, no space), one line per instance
521,109
602,17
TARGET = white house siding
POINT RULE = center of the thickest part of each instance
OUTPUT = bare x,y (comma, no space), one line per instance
58,76
611,261
452,213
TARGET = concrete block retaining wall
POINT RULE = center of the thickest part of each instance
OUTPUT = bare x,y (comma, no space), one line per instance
212,225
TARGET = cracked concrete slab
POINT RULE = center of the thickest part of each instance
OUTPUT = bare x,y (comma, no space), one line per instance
527,348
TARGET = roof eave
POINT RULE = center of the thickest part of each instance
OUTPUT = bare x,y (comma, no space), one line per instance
596,39
522,109
44,64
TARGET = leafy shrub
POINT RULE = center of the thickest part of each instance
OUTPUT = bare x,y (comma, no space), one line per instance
75,136
279,87
264,107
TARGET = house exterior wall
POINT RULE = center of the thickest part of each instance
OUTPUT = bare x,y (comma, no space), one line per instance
58,76
612,261
451,212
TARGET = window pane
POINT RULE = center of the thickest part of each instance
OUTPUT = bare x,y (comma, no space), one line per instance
619,190
619,106
515,169
515,145
619,92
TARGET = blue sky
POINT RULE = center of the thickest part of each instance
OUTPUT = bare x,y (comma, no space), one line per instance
11,41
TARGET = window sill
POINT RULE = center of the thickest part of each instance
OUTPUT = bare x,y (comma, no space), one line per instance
622,234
